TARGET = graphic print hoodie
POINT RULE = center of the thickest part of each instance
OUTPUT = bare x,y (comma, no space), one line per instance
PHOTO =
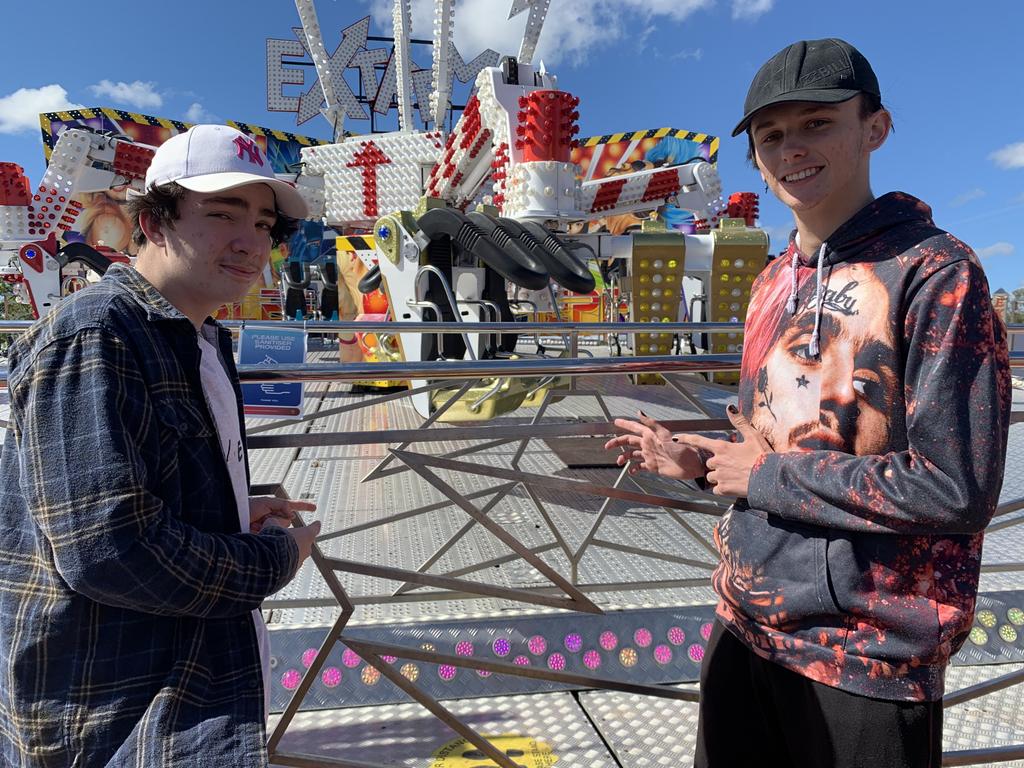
881,380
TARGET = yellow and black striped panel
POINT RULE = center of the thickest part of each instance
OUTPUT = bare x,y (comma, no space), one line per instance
117,115
256,130
90,113
657,133
355,242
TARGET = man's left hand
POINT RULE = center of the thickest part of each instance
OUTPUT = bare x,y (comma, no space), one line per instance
262,507
730,465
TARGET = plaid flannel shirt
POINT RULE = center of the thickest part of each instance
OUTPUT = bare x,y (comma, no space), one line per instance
125,584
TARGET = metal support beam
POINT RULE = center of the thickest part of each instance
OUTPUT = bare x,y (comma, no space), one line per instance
982,689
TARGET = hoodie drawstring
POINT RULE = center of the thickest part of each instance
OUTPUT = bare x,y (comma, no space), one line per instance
814,348
791,303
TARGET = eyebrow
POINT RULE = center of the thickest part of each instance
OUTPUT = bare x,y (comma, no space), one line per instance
876,352
237,202
829,328
806,111
805,323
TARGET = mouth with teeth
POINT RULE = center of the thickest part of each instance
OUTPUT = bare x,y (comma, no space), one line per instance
806,173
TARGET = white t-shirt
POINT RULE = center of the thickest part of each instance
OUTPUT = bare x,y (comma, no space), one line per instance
220,396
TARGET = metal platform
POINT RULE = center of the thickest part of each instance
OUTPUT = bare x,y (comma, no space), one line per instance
400,520
646,566
536,731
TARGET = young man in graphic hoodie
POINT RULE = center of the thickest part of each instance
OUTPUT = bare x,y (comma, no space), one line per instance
873,413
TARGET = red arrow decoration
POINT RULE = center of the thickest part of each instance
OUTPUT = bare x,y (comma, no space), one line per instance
368,158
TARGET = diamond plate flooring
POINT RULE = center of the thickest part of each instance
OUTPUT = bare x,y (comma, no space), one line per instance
399,520
591,728
537,731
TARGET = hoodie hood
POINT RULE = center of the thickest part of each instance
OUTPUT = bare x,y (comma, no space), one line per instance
870,225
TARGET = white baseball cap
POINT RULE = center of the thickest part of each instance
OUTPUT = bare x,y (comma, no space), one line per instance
216,158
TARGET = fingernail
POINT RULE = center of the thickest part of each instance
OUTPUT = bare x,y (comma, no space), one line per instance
732,408
643,414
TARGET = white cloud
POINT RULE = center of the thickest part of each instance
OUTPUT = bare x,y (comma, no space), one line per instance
1001,248
688,53
748,10
1010,156
965,197
19,111
137,94
197,113
572,29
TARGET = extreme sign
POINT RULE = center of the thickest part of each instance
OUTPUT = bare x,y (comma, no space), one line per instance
361,75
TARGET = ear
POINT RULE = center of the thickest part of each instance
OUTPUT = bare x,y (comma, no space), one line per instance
878,127
151,228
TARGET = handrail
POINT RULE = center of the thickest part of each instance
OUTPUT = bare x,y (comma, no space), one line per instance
554,329
485,369
464,369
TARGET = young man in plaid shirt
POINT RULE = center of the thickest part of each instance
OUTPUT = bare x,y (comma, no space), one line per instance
134,561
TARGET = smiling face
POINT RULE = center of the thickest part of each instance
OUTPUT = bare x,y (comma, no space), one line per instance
815,157
842,401
215,250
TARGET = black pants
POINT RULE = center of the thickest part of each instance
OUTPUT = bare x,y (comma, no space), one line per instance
754,712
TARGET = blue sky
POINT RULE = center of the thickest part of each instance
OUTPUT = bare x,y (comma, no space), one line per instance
950,72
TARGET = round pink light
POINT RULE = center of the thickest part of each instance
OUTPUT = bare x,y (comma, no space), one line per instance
521,661
676,636
446,672
465,648
556,661
643,637
573,642
350,658
308,656
291,679
389,659
705,630
608,641
695,652
483,672
591,659
663,654
331,677
537,645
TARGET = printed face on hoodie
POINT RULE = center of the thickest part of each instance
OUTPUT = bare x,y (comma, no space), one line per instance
841,401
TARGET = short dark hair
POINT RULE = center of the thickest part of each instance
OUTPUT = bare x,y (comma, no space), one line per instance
869,104
162,204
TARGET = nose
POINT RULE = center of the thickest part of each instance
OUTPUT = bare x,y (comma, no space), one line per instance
250,240
837,379
793,148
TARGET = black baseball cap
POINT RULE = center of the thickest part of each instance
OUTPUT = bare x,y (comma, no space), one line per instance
827,71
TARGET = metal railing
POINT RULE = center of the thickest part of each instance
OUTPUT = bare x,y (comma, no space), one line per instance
567,593
461,369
